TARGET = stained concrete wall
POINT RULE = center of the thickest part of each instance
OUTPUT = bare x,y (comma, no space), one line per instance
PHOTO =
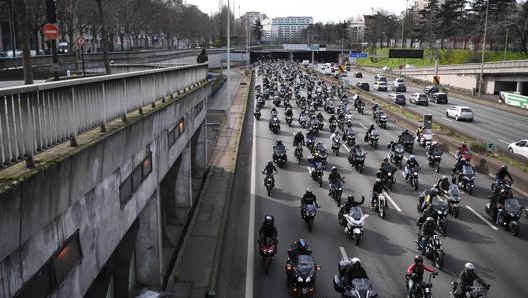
81,192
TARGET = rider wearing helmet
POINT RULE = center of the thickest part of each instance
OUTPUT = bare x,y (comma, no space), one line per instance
298,247
419,131
501,174
345,209
376,190
273,112
415,274
289,111
412,163
402,134
298,138
427,230
428,211
432,148
355,270
497,201
308,198
332,118
333,178
384,163
465,280
369,131
279,148
443,184
426,197
268,171
268,229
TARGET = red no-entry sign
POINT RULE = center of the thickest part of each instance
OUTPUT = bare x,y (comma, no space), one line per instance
51,31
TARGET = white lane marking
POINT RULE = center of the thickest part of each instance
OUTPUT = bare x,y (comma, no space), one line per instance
483,219
251,224
346,147
363,125
507,143
343,252
392,202
445,118
286,203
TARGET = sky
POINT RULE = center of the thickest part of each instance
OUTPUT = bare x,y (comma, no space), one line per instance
321,10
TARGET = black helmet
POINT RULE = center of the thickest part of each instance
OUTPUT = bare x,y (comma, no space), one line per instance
357,146
433,191
350,198
372,126
418,259
504,167
270,163
279,142
301,243
385,159
334,169
268,220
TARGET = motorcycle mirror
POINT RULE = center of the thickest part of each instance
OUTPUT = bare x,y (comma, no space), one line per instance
288,267
318,267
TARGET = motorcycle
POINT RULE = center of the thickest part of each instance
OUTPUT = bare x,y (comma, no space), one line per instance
276,102
396,155
308,214
348,120
260,103
407,141
303,120
381,120
453,200
298,153
374,139
354,224
380,204
503,185
466,179
300,275
435,158
421,289
387,176
360,108
432,249
257,113
274,125
336,144
289,120
336,190
471,292
357,160
280,157
361,288
269,182
310,143
268,249
333,126
412,177
506,216
314,125
425,138
441,208
349,138
317,172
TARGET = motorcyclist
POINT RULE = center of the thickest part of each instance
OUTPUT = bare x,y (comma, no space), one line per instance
345,209
497,201
320,148
274,112
426,197
354,271
375,107
403,134
458,168
298,138
335,138
415,274
308,198
289,112
391,145
384,163
432,148
426,231
377,189
332,118
419,131
279,147
333,178
501,174
268,170
268,229
411,163
465,280
298,247
319,117
443,184
369,131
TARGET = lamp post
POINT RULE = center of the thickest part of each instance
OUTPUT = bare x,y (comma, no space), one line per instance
228,99
403,22
480,80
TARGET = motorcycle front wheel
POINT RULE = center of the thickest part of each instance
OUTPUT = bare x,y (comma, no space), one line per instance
439,260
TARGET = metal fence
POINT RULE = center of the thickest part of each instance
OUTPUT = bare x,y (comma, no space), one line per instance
35,117
515,66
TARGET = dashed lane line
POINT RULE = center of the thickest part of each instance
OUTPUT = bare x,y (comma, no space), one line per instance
392,202
343,252
481,217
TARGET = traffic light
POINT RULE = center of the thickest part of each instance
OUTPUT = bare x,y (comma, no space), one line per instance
51,11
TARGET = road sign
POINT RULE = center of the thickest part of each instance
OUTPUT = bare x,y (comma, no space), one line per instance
314,47
80,41
405,53
358,55
51,31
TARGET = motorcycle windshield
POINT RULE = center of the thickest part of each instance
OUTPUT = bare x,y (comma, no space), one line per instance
454,192
318,164
437,151
275,121
427,134
362,285
398,149
439,204
512,206
280,150
468,170
304,265
356,213
383,117
360,152
311,210
374,133
388,169
408,138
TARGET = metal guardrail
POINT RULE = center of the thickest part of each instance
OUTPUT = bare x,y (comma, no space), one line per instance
35,117
515,66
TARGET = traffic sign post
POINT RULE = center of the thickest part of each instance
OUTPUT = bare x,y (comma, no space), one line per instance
358,55
80,41
50,31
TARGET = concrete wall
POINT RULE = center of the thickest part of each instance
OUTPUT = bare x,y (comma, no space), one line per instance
81,192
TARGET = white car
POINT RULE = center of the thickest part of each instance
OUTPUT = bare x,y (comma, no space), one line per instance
460,113
380,86
520,147
419,98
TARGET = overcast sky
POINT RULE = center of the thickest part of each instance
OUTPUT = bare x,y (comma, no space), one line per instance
321,10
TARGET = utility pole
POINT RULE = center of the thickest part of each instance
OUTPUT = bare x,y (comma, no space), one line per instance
403,22
20,7
51,15
481,81
228,99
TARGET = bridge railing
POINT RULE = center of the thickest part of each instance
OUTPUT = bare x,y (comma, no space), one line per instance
505,66
36,117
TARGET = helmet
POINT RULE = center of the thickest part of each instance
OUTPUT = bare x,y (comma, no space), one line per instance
504,167
356,261
385,159
462,159
433,191
434,143
270,163
308,191
301,243
469,267
357,146
418,259
420,126
350,198
299,131
412,158
279,142
429,219
444,178
378,180
334,169
268,220
406,130
372,126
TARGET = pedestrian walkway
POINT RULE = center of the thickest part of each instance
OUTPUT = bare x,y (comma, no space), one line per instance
194,273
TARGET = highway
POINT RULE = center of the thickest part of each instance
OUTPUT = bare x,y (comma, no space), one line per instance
387,247
489,124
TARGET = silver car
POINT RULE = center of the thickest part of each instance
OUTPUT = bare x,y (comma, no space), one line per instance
460,113
419,98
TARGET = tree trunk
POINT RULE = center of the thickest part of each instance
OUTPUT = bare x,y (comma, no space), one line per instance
104,37
20,8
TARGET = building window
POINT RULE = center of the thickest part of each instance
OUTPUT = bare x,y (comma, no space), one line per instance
177,131
68,256
147,166
125,191
181,126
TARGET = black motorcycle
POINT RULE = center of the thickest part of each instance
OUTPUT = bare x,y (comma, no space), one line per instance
333,126
422,289
349,138
435,158
268,182
412,177
279,156
310,144
396,155
360,108
503,185
303,120
336,144
357,159
506,216
386,174
380,204
317,172
373,139
298,153
257,113
381,120
336,190
407,140
432,249
301,274
308,213
466,179
289,120
359,287
274,125
453,200
441,208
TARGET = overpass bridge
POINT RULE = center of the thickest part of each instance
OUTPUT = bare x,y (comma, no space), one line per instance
98,177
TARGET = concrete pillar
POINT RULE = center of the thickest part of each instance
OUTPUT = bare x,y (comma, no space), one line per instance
149,262
520,87
199,151
183,193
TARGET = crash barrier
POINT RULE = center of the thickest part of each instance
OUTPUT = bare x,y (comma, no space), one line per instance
36,117
516,100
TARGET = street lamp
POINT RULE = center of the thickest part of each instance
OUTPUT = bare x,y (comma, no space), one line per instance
481,81
228,99
403,21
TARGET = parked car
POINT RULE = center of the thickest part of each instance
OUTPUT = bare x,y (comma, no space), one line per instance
380,86
397,98
363,86
419,98
520,147
380,77
439,97
431,89
358,75
460,113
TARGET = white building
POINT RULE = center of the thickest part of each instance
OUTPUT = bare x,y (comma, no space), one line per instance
420,4
253,16
287,28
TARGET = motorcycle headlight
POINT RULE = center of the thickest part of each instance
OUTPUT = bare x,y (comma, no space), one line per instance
389,174
300,279
415,174
308,279
440,212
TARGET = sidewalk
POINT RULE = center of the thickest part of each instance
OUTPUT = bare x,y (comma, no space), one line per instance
195,271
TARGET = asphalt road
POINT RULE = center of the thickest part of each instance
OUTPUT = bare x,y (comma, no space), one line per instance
387,247
491,125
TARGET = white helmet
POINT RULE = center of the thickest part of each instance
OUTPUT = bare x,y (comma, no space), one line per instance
356,261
